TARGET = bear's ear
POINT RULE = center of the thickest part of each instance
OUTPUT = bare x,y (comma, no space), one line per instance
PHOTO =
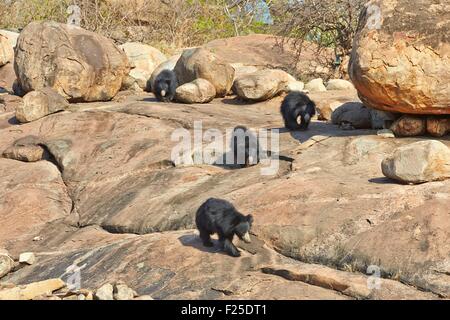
250,219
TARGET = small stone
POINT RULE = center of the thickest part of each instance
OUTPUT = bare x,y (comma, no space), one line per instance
105,292
38,238
385,133
123,292
27,257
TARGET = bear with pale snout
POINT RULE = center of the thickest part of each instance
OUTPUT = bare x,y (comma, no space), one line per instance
221,217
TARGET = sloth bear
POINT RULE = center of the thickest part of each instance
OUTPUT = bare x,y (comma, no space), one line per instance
294,105
221,217
165,85
244,142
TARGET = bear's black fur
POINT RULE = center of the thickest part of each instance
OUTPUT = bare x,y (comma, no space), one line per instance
294,105
165,86
243,141
221,217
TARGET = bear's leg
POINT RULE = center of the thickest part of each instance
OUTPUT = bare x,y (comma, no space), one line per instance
206,238
229,247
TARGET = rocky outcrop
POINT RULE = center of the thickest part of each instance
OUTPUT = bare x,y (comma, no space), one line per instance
400,60
40,103
143,59
262,85
201,63
418,162
197,91
79,64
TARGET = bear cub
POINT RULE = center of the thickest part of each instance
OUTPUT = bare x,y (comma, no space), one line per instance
221,217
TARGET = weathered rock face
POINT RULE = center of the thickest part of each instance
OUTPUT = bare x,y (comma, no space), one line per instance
80,65
40,103
418,162
144,59
201,63
400,60
6,51
132,211
197,91
12,37
262,85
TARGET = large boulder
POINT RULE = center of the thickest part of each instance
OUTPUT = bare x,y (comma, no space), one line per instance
6,51
144,59
262,85
418,162
79,64
202,63
400,60
40,103
197,91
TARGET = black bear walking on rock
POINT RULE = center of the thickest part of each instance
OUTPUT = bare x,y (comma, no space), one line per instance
165,86
221,217
297,104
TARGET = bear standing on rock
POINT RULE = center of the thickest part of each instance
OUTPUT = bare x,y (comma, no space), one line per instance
297,104
165,86
221,217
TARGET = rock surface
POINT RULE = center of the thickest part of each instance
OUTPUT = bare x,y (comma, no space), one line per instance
27,257
262,85
105,292
400,60
143,59
418,162
119,207
40,103
202,63
79,64
438,126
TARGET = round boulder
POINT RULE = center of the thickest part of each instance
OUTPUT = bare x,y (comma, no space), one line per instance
418,162
197,91
202,63
80,65
262,85
400,60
